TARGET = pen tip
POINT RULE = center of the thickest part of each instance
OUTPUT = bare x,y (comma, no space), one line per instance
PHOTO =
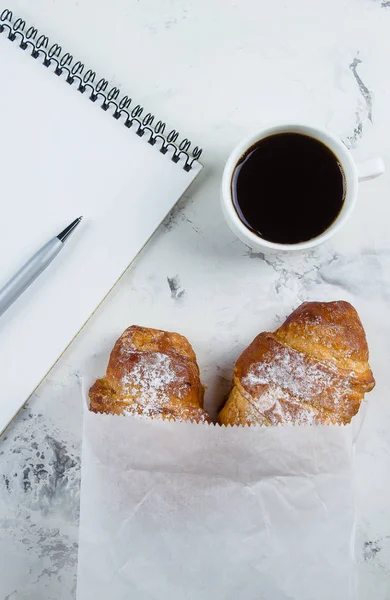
68,230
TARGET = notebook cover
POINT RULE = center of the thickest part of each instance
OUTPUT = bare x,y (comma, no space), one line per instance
63,156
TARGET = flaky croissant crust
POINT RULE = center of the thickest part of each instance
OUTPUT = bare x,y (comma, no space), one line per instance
313,369
152,373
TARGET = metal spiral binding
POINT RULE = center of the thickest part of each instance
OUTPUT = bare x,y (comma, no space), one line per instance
110,97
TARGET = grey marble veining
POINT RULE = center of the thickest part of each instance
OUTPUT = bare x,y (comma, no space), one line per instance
40,503
363,112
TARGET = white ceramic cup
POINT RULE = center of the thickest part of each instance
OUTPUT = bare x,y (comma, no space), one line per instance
354,173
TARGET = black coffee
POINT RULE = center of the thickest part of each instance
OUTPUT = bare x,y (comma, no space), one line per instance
288,188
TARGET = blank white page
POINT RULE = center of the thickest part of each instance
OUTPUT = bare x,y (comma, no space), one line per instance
62,156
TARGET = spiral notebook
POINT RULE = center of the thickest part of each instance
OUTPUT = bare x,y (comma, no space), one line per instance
71,145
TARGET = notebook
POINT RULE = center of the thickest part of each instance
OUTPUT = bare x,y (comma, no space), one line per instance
70,145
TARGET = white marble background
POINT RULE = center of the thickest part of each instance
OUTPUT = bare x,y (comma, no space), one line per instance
216,70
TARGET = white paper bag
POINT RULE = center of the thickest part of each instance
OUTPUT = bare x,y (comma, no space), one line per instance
181,511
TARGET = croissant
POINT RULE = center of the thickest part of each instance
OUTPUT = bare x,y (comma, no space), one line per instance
312,370
152,373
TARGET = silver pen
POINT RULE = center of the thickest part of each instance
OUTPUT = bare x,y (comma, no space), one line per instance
34,267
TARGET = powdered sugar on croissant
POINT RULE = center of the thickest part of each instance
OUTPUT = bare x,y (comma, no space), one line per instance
312,370
152,373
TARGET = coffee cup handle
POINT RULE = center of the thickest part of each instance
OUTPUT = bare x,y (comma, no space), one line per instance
370,169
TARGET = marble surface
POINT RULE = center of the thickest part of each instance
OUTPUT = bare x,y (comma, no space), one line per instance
217,71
